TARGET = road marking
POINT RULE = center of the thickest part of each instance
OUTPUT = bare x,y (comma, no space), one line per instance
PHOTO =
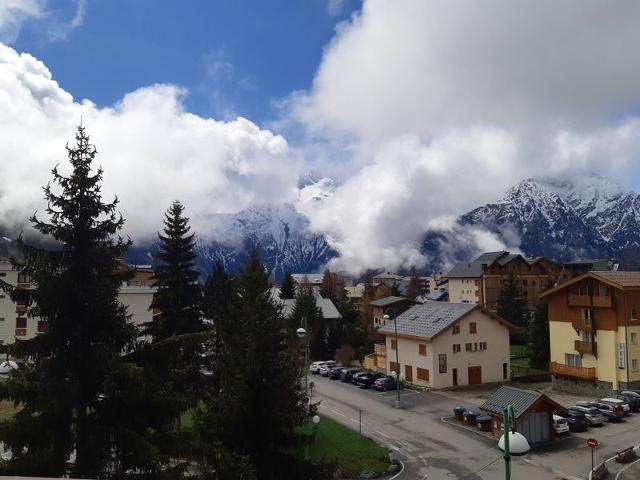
400,472
323,406
338,413
382,433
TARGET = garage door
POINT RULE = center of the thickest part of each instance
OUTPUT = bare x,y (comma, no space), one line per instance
535,427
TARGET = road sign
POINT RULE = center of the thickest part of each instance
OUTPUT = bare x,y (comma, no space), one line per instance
592,442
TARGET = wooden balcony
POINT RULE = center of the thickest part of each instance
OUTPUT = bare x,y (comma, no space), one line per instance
582,373
579,300
586,347
604,301
584,324
380,349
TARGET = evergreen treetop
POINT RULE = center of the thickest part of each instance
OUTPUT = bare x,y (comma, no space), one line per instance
287,289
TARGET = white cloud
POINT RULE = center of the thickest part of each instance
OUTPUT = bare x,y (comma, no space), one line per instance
59,29
442,105
152,151
14,12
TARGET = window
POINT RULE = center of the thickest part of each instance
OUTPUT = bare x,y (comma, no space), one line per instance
21,322
394,367
43,326
483,345
442,363
456,329
525,293
1,319
634,338
573,359
422,349
533,283
3,274
504,371
603,291
423,374
467,346
524,283
473,327
475,347
24,277
394,344
587,336
456,348
3,296
580,291
634,364
586,313
633,314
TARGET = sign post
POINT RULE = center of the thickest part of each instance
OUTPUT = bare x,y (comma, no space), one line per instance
592,443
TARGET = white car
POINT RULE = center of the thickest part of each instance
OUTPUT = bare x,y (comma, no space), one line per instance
560,424
7,367
316,366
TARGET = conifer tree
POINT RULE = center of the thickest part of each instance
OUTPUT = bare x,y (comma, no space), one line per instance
75,296
307,308
511,305
178,297
413,289
287,289
258,408
538,337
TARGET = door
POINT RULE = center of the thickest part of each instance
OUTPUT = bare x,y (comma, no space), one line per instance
455,376
535,427
408,373
475,375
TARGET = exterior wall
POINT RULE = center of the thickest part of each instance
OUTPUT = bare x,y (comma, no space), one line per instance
137,300
397,308
491,360
464,290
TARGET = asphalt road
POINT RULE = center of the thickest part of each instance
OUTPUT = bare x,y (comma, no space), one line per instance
434,450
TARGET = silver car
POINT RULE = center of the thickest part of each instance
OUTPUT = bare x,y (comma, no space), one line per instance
592,414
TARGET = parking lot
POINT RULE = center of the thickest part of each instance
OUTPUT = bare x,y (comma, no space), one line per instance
433,449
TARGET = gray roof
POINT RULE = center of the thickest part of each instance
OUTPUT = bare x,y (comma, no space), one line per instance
520,399
329,310
474,269
436,294
383,302
428,319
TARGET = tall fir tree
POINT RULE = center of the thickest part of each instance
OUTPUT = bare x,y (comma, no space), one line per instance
511,305
258,408
178,297
413,288
74,294
306,308
287,289
538,337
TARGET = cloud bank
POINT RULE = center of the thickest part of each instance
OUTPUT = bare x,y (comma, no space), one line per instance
444,105
152,151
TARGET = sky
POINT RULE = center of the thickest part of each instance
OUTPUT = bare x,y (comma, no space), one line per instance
420,109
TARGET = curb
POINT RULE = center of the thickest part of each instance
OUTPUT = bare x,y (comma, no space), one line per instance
636,448
462,427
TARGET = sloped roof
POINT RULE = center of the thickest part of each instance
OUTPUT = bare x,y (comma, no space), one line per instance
520,399
619,280
428,319
388,276
436,294
329,310
474,269
310,278
354,292
383,302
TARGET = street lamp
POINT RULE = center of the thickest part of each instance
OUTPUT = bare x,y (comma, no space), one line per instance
395,326
302,333
511,442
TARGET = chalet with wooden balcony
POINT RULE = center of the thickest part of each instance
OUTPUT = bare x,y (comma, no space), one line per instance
594,330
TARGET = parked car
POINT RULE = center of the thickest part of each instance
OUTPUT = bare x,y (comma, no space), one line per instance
347,374
356,376
577,421
315,367
366,380
620,403
326,368
632,400
560,424
335,373
384,384
595,417
613,413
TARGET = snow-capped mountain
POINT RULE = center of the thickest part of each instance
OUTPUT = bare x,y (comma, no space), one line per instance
564,219
281,232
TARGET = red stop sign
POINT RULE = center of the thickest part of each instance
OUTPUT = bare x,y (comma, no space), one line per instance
592,442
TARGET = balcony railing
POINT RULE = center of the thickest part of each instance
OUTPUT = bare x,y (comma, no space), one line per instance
572,372
604,301
380,349
579,300
584,324
586,347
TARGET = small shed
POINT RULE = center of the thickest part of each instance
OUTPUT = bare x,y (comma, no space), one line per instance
533,412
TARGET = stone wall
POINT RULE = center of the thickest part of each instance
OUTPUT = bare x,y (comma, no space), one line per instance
599,389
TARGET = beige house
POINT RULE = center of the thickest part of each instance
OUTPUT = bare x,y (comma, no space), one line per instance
443,345
136,294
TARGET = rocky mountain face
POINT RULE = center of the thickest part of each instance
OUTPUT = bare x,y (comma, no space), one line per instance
563,220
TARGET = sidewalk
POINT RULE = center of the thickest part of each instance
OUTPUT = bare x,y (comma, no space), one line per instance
631,472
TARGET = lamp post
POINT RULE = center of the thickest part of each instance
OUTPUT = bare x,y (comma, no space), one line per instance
511,442
302,333
395,326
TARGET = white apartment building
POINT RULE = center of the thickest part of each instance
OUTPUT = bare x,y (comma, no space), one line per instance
136,294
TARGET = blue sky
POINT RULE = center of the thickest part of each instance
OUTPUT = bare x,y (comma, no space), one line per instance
234,56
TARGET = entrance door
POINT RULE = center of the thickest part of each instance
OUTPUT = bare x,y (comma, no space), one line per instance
455,376
475,375
408,373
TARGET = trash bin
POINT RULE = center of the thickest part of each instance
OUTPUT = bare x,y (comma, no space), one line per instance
470,417
458,412
484,423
